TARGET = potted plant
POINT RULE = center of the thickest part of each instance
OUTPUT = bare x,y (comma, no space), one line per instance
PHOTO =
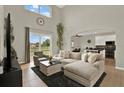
60,35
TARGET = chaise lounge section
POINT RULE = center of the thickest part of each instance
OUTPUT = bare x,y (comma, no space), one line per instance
84,73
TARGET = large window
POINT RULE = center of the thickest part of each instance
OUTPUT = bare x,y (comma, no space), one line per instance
40,9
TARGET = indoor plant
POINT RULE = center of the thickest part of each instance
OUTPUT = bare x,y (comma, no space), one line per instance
60,35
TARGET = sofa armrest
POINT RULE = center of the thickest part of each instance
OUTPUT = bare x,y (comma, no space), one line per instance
36,61
99,64
57,58
35,58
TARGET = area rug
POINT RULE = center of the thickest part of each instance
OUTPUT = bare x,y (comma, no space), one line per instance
59,80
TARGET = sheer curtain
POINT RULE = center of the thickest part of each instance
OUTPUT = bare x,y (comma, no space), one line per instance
27,45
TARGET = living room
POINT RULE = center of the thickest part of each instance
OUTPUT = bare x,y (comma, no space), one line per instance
76,20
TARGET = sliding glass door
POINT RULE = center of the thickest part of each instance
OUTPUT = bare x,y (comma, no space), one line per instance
39,42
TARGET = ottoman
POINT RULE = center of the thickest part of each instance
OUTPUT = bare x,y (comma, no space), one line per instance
82,72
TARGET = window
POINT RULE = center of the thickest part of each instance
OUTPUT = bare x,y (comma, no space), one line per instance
40,9
39,42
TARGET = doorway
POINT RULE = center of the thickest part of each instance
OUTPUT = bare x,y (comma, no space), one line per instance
39,42
103,42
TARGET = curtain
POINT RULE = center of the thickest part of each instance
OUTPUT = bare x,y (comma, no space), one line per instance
27,45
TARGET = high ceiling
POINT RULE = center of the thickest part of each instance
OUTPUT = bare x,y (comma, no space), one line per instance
60,6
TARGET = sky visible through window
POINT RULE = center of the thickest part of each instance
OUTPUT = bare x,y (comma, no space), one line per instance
41,9
34,38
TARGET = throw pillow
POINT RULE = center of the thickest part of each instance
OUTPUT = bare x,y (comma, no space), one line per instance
75,55
99,56
84,57
66,55
92,57
61,53
89,53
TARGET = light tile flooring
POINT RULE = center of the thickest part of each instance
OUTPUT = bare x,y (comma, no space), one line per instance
114,77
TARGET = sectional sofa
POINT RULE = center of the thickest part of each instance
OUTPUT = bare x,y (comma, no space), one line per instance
84,68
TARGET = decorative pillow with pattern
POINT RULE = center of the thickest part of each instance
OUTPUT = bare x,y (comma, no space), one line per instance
84,57
75,55
92,57
66,55
61,53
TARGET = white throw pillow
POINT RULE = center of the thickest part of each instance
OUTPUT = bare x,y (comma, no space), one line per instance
75,55
92,57
66,55
89,53
99,56
61,53
84,57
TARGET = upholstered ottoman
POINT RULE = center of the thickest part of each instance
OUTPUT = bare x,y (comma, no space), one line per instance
82,72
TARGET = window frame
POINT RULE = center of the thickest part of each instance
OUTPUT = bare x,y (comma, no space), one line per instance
50,10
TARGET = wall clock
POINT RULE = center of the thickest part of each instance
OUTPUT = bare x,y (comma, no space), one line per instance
40,21
88,41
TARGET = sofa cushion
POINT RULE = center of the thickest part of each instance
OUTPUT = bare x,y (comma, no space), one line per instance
57,58
61,53
66,55
67,61
82,69
84,57
92,57
75,55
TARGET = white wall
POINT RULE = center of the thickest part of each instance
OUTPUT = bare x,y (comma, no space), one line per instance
95,18
76,42
84,42
22,18
81,42
1,31
101,39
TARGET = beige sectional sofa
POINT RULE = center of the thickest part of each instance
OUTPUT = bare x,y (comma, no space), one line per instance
84,73
67,57
77,67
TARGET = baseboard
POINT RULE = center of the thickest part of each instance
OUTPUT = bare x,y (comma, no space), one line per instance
120,68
